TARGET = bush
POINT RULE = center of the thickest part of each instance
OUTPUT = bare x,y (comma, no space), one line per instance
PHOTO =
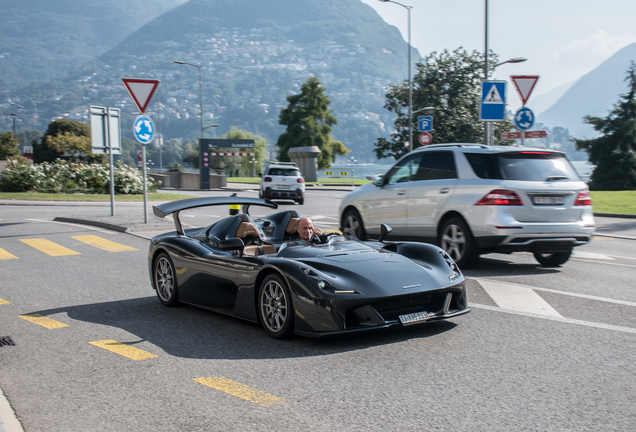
72,177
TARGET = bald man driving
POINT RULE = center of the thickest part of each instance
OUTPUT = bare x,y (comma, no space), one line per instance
307,232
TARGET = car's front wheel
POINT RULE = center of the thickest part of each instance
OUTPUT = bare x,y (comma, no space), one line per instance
165,281
275,307
352,224
553,259
457,240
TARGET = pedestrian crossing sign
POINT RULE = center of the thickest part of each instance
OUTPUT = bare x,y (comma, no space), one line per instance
493,101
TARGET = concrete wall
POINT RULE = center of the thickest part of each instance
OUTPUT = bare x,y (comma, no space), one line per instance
177,180
307,160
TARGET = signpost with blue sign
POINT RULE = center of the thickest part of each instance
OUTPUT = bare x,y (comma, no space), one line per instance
524,118
425,123
493,101
144,129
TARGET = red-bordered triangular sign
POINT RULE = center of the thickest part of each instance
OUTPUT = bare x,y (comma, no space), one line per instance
524,84
141,91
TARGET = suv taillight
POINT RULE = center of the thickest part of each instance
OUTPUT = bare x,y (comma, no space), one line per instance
500,197
267,179
583,199
300,180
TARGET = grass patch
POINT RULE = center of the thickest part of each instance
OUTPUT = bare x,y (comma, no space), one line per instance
35,196
616,202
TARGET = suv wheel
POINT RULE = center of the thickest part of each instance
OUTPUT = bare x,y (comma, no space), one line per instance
456,239
301,200
553,259
352,225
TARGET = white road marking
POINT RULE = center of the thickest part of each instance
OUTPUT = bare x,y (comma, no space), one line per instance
571,294
517,298
590,255
558,319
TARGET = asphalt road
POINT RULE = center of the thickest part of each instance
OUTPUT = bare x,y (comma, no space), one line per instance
542,349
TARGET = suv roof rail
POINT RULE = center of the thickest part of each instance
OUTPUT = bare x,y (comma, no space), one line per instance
457,145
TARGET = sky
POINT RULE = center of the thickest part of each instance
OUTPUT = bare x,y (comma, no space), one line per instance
562,39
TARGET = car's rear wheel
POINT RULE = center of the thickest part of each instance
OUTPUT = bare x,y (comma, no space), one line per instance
165,281
352,224
301,200
457,240
553,259
275,307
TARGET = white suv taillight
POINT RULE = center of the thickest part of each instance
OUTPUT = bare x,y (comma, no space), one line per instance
300,180
501,197
583,199
267,179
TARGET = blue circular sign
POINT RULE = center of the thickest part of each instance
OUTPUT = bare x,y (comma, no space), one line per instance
524,118
144,129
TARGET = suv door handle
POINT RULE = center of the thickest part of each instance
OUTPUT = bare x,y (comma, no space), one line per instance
444,191
402,192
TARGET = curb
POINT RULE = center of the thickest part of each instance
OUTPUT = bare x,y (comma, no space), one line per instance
8,420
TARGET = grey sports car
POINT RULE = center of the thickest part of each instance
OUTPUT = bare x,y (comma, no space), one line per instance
251,269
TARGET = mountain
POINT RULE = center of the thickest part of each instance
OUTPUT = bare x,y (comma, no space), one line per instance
252,53
543,102
594,94
43,39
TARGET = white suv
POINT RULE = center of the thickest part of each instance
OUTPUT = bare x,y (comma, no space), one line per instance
473,199
282,180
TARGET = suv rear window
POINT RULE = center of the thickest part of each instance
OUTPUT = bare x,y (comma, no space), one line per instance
523,165
283,172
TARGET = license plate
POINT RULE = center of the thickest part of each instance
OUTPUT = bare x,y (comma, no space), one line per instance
414,318
548,200
283,186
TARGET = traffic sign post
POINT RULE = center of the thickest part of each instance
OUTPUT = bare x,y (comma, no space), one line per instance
527,134
141,91
524,85
524,118
493,101
106,138
425,138
425,123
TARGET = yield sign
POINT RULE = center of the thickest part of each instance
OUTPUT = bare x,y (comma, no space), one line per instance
141,91
524,84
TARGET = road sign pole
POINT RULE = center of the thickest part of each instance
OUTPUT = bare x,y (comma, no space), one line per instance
143,157
110,162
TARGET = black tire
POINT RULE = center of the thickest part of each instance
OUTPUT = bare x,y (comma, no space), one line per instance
301,201
352,225
458,242
552,259
165,280
275,307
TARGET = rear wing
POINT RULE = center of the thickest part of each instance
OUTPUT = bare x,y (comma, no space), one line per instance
174,207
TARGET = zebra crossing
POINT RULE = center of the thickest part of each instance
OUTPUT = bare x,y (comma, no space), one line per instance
55,249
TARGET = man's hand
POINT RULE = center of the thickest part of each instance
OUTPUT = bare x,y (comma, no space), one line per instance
318,231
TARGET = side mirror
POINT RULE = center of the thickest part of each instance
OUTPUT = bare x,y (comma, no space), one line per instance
233,243
379,181
260,174
384,231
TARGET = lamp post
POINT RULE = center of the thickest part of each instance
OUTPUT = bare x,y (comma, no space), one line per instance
200,89
14,119
408,8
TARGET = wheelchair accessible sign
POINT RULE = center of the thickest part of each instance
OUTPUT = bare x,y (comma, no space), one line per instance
493,101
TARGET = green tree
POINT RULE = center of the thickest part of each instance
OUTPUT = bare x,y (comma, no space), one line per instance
66,139
450,83
614,152
309,122
8,145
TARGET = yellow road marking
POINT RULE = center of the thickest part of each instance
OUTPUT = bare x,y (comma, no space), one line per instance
104,244
4,255
241,391
43,321
123,349
4,302
48,247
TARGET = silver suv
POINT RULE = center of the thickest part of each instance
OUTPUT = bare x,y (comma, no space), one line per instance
282,180
472,199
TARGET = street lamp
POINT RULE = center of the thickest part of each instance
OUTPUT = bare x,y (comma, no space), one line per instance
408,8
15,117
200,89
